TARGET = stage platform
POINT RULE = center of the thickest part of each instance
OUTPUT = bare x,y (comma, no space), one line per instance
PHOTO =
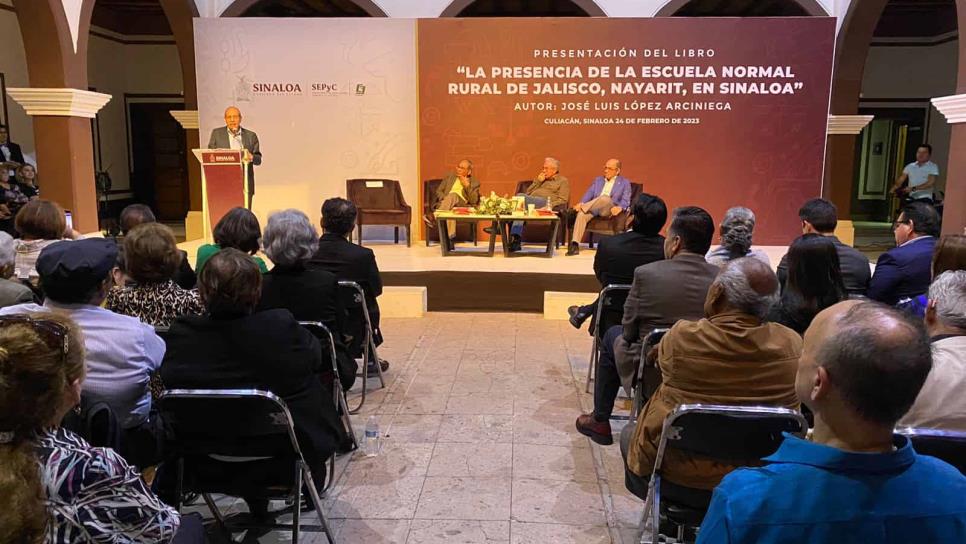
486,284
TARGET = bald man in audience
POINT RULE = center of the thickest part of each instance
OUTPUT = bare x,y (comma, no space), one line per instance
732,356
854,480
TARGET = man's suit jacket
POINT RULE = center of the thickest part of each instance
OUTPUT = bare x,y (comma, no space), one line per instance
855,268
662,293
556,190
219,140
619,256
351,262
265,350
903,271
16,154
472,193
620,193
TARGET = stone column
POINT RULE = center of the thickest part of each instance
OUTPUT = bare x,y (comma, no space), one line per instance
840,163
954,211
62,133
194,226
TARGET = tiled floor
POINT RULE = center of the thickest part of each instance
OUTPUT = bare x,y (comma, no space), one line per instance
478,442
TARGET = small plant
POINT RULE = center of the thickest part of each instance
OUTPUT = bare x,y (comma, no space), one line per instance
496,205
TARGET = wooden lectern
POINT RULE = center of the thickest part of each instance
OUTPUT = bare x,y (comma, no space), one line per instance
224,184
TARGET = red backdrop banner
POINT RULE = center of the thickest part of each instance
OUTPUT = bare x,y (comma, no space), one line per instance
713,112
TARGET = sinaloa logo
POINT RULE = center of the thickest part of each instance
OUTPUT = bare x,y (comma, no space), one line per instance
276,88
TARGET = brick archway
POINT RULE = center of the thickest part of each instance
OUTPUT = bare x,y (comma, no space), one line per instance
589,6
812,7
238,7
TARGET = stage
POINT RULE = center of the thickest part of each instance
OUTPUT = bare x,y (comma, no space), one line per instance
485,284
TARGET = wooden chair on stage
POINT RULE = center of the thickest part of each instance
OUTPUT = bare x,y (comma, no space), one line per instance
380,202
539,232
609,226
465,231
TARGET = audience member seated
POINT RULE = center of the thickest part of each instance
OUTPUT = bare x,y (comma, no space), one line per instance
13,199
12,291
40,223
235,347
854,481
662,293
819,216
311,294
238,229
905,271
137,214
151,258
349,262
814,282
949,254
56,488
730,357
26,180
941,403
737,229
122,352
618,256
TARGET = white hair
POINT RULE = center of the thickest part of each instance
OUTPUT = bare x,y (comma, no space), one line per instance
556,163
7,251
741,296
289,238
948,291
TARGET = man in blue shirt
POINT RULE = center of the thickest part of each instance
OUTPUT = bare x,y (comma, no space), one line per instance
854,482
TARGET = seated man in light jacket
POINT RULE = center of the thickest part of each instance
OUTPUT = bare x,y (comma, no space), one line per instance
607,195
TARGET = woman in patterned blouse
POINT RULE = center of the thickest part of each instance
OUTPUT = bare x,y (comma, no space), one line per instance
151,259
55,487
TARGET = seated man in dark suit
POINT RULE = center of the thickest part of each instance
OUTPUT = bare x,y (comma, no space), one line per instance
456,189
662,293
618,256
136,214
349,262
820,216
906,270
235,347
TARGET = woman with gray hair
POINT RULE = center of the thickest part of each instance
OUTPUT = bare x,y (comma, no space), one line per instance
11,291
311,294
736,230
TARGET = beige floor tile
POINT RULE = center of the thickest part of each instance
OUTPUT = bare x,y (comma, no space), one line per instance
476,429
396,460
372,531
546,501
624,508
472,460
471,382
458,532
413,428
480,403
396,499
544,462
465,498
429,404
544,533
552,429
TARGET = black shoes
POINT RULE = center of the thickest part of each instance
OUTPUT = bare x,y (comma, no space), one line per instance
577,317
491,231
573,249
383,365
450,244
515,243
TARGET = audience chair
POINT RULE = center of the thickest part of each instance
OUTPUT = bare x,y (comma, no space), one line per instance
96,423
354,301
464,230
610,311
950,446
609,226
380,202
737,435
238,424
319,330
539,231
647,378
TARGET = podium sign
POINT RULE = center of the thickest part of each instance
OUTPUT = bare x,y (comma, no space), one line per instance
224,184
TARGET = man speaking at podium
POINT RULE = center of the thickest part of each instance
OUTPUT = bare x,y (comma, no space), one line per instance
233,136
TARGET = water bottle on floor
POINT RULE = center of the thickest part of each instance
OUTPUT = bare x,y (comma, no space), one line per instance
370,443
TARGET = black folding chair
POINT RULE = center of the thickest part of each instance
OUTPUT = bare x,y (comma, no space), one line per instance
96,423
357,303
242,425
949,446
338,394
647,377
737,435
610,311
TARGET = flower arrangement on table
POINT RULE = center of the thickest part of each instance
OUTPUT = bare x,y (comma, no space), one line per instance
496,205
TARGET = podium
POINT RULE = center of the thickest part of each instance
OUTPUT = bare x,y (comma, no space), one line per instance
224,184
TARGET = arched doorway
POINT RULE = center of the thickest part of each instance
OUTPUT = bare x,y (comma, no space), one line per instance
741,8
303,8
518,8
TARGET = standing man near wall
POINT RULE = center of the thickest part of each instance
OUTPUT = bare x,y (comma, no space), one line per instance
233,136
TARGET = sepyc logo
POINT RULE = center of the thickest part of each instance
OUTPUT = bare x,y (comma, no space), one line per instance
328,89
276,88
